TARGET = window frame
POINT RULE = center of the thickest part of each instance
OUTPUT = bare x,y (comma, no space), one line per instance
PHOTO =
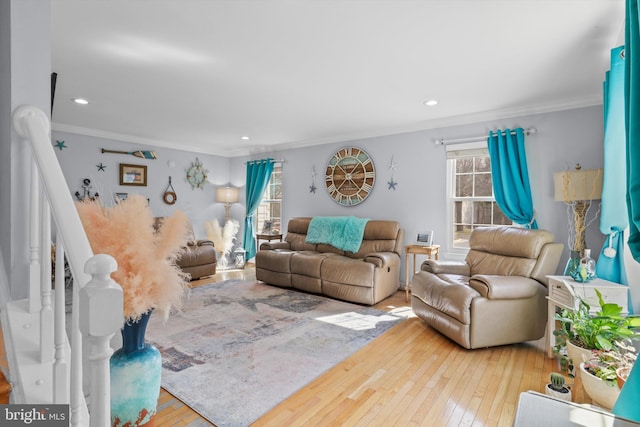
259,222
473,149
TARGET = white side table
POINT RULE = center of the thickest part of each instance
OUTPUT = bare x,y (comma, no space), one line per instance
566,293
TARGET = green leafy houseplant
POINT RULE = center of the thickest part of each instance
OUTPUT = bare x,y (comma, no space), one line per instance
605,364
592,332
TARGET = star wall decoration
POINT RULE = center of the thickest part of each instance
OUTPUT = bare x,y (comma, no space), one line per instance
60,145
312,187
393,166
101,167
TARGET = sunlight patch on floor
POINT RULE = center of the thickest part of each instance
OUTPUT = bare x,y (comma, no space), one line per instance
357,321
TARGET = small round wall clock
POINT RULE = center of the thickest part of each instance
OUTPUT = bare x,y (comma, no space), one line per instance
350,176
197,175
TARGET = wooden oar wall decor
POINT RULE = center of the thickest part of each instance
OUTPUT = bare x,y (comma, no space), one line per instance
143,154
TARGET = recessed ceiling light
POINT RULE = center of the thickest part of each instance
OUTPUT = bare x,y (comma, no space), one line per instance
431,102
245,138
81,101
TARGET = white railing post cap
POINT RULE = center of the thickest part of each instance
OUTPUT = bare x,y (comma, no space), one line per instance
101,300
100,265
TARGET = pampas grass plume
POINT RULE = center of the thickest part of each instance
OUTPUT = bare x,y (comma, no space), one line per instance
147,272
222,238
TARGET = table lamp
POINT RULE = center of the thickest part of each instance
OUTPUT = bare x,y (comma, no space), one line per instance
577,188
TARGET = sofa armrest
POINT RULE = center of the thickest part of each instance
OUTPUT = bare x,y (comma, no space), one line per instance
446,267
380,259
274,245
504,287
200,242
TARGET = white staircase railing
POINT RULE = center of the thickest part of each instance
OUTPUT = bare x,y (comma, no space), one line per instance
45,354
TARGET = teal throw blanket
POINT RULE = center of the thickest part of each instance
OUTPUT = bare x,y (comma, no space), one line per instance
342,232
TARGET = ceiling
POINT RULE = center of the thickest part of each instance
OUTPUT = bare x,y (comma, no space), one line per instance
198,75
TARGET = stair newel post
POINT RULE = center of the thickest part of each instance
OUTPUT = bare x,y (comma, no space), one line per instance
101,316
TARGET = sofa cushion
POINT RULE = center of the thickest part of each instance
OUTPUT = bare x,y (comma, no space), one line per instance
379,236
506,251
277,260
307,263
348,271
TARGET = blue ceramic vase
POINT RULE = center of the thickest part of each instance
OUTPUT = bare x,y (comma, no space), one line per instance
136,369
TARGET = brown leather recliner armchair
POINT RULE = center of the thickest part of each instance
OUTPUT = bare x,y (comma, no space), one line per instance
497,295
198,258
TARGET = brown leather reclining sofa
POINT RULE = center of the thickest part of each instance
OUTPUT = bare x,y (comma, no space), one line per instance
366,277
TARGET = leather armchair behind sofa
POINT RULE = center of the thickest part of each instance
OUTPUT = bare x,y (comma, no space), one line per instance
497,295
198,258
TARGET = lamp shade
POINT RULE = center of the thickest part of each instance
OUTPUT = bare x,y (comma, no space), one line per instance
226,195
574,185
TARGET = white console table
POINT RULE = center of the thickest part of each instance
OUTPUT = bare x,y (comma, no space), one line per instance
565,292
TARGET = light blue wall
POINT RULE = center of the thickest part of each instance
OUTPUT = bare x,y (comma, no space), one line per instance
418,203
83,153
562,139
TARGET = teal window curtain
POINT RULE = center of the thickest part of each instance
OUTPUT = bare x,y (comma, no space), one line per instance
627,403
258,175
632,124
614,218
510,176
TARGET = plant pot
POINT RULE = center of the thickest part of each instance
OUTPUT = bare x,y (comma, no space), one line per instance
564,394
622,374
602,393
577,355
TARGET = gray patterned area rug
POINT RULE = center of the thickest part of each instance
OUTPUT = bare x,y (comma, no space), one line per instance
238,348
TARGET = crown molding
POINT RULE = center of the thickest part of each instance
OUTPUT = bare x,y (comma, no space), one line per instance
444,122
60,127
436,123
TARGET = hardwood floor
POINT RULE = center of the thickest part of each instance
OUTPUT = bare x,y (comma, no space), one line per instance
409,376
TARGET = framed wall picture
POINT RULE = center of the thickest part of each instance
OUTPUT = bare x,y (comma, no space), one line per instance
424,238
133,175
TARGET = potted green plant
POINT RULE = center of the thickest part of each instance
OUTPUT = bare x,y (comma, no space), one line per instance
602,392
613,365
582,330
556,388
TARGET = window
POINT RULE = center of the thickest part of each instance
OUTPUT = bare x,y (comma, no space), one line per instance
268,214
471,203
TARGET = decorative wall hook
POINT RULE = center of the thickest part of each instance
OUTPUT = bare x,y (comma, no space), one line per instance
86,194
170,196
